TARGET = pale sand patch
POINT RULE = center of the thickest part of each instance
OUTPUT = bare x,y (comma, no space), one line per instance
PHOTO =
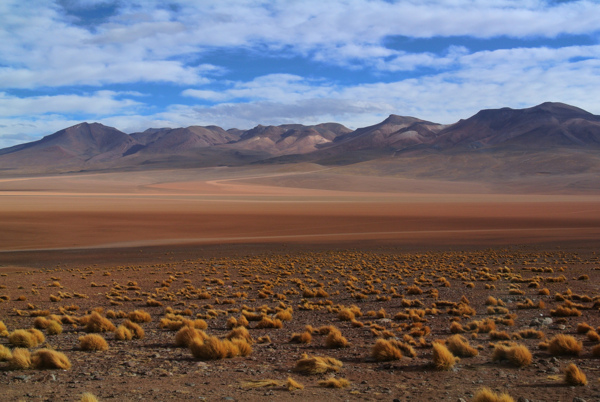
221,206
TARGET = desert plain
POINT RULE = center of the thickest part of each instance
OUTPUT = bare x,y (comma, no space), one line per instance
407,257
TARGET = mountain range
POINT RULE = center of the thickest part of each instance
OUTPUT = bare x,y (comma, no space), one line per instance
543,129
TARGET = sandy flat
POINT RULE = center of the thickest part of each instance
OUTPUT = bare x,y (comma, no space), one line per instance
221,205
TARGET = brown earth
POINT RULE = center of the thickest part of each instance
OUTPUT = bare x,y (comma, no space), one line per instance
224,231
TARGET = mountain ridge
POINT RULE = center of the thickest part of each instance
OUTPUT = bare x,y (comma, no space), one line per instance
93,146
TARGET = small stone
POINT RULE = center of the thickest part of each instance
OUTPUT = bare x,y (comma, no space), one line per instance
576,399
547,321
522,399
553,370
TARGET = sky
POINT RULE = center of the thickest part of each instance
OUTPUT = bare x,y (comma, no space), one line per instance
138,64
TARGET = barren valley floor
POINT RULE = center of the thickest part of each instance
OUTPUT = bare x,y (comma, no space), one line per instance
221,243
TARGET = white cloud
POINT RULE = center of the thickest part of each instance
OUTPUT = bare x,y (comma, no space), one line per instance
147,42
97,104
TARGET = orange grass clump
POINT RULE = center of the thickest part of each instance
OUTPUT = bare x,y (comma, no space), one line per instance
50,359
574,376
443,359
317,364
487,395
564,345
93,342
459,346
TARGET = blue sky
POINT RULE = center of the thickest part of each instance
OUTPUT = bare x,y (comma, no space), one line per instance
153,63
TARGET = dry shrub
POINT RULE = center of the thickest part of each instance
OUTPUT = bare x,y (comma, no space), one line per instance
54,328
231,323
97,323
186,335
517,355
459,346
499,336
317,364
456,328
122,333
531,334
243,347
139,316
596,351
335,339
593,336
346,314
264,339
284,315
240,333
243,321
5,353
20,360
3,329
88,397
260,383
93,342
304,337
414,290
41,322
136,329
386,350
45,359
212,348
584,328
562,311
334,383
23,339
38,335
267,322
443,359
564,345
487,395
574,376
292,384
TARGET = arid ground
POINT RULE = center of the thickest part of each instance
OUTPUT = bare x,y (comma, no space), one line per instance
216,243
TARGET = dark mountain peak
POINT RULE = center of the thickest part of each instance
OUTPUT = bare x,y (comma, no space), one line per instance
549,124
397,120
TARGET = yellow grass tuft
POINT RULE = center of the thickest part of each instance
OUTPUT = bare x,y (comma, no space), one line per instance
517,355
88,397
304,337
260,383
385,350
459,346
50,359
122,333
334,383
135,329
317,364
54,328
186,335
20,360
93,342
562,345
574,376
487,395
23,339
5,353
267,322
139,316
240,333
97,323
443,359
292,384
335,340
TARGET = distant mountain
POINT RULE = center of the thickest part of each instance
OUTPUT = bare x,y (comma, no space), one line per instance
290,138
543,128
